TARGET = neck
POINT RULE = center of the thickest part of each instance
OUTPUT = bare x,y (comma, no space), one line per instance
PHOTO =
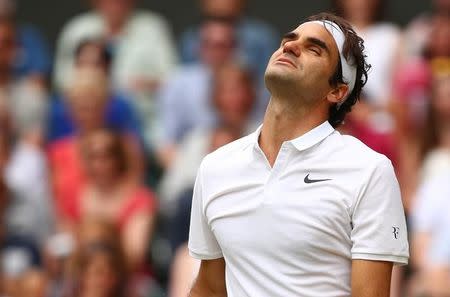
284,122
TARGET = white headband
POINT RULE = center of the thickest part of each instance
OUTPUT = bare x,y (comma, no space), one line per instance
348,70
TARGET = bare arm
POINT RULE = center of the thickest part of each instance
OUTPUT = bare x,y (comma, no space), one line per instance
371,278
136,238
210,281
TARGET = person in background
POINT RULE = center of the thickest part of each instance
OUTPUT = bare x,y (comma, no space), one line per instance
110,196
101,271
120,114
33,59
417,33
417,88
256,40
87,97
22,94
23,100
430,224
184,268
372,120
185,100
232,99
143,53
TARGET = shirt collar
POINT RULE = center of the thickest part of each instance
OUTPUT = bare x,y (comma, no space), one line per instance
305,141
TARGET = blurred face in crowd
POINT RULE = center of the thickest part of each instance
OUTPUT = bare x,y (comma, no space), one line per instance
234,95
217,43
104,158
359,11
88,95
100,277
115,11
7,45
302,66
223,8
439,39
92,55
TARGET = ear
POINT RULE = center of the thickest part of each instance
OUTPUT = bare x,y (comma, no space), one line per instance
337,94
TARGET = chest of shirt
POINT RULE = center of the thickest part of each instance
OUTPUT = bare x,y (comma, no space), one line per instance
299,204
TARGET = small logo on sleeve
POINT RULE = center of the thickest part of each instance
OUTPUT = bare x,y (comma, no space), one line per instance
395,231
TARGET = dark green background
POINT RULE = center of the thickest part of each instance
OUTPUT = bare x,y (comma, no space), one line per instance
51,15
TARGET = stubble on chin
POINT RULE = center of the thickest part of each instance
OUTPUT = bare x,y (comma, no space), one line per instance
279,82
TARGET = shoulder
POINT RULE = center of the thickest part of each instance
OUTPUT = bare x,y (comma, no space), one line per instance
79,22
356,157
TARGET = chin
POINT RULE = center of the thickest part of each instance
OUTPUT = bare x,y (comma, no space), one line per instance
276,78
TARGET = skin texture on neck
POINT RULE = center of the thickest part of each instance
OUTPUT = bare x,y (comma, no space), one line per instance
286,120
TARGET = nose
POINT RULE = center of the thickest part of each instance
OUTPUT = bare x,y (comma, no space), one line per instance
291,47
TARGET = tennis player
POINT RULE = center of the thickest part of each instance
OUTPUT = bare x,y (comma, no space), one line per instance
296,209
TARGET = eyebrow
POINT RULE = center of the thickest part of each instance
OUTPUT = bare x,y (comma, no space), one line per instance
290,36
319,43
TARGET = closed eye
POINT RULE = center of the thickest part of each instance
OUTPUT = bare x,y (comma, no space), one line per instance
315,50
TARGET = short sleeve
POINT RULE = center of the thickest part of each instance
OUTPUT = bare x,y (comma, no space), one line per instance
378,221
202,242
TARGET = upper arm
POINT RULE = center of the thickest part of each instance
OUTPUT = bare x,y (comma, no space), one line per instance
211,279
371,278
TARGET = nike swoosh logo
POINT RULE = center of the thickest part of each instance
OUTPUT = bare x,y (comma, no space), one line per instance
310,181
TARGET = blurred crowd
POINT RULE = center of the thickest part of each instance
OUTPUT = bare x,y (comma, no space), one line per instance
100,142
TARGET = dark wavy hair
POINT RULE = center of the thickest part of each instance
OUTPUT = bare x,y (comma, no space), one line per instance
353,50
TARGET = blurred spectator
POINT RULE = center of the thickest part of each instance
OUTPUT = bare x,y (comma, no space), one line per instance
256,40
371,119
110,196
25,171
120,114
430,222
435,146
381,42
101,271
186,98
25,98
417,33
87,98
184,268
233,99
33,57
141,47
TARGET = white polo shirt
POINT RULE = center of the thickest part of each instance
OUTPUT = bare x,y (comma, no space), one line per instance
292,230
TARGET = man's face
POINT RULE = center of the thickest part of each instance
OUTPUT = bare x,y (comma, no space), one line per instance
303,64
217,43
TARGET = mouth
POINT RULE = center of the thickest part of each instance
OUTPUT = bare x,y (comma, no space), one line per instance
286,61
